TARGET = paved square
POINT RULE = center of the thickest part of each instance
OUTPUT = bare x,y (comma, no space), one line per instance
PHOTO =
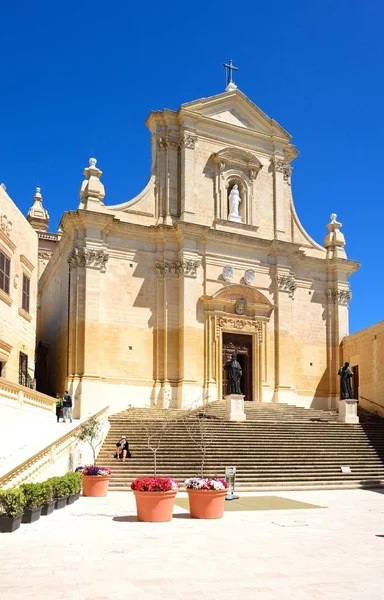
96,550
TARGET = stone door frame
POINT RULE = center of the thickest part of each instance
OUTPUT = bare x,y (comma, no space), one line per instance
217,323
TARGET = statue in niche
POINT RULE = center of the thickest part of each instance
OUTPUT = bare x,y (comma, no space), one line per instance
234,202
235,373
346,375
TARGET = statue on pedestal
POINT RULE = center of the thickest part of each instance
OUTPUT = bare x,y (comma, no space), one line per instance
234,201
345,382
235,373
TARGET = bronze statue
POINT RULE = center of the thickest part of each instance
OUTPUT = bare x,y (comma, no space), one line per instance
234,375
345,382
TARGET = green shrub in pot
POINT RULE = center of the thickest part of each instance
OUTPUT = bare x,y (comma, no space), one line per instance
33,494
11,502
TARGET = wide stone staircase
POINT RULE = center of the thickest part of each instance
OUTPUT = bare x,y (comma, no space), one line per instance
278,447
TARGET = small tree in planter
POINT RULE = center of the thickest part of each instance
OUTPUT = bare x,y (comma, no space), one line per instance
34,499
155,496
91,431
201,433
11,509
206,496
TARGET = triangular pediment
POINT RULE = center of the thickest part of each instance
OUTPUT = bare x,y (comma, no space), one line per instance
236,109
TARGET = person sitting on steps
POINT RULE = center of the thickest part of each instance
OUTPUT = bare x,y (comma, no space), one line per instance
122,449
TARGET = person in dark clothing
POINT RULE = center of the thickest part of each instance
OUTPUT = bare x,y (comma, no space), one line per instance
59,406
122,449
67,405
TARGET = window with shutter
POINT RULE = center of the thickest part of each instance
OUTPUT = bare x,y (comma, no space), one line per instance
5,269
25,298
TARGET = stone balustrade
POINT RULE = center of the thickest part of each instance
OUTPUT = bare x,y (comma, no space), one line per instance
24,395
55,459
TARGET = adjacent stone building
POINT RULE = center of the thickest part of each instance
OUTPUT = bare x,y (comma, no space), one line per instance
18,294
364,350
143,302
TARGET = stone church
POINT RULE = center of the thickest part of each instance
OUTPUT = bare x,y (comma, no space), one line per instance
142,303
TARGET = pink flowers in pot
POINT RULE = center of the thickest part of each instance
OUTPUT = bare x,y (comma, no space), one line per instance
155,484
198,483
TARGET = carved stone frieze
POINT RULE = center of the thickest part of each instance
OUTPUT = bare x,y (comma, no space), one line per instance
336,296
45,255
5,224
177,268
287,283
87,257
239,324
282,166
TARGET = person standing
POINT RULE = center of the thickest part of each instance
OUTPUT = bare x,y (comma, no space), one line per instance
59,406
67,405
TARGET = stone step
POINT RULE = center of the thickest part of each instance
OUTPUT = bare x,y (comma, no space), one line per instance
279,446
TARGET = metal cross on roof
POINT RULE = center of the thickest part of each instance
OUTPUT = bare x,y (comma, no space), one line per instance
230,68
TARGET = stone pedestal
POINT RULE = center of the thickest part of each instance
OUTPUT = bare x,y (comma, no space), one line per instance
348,411
234,407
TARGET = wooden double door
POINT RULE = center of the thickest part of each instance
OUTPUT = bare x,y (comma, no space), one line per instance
242,346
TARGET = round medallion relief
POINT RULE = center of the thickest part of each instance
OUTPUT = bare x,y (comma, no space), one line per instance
228,273
241,306
249,276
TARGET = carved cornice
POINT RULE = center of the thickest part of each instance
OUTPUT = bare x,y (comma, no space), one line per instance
176,268
27,263
282,166
87,257
335,296
239,324
287,283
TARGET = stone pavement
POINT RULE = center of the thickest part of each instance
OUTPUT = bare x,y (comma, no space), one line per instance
96,550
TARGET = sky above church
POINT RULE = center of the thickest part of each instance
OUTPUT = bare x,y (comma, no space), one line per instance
79,79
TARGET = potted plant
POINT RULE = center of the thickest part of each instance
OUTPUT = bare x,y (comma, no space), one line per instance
34,498
74,481
206,497
91,432
95,480
11,509
61,491
155,498
48,499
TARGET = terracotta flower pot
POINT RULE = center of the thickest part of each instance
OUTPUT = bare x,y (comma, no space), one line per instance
206,504
95,485
155,507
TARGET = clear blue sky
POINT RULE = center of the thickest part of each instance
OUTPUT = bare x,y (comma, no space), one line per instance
78,79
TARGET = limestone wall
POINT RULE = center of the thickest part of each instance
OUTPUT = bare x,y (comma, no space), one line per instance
365,349
52,332
18,241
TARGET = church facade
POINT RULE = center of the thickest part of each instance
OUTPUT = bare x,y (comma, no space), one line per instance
142,303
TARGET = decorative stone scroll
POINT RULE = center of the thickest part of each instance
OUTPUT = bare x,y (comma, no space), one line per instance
168,142
188,140
176,268
45,255
287,283
336,296
5,224
238,324
282,166
86,257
